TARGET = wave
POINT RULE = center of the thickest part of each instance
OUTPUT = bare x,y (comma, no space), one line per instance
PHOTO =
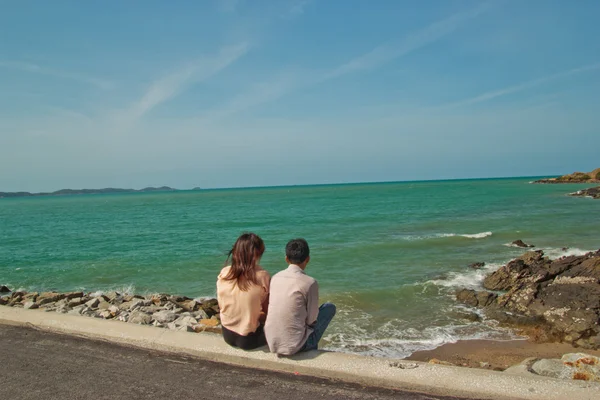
400,343
471,279
479,235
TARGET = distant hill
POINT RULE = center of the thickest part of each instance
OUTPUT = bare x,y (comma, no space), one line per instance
64,192
575,177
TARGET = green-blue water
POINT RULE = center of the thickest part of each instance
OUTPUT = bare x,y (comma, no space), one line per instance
390,255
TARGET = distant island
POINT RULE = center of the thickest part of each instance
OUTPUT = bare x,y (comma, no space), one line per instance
64,192
575,177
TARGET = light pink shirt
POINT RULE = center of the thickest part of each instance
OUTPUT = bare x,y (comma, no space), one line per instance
293,310
243,311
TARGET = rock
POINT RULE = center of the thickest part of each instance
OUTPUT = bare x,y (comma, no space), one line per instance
477,265
209,322
4,289
114,310
210,306
552,368
103,305
200,314
523,368
30,305
171,326
73,295
475,298
151,309
585,367
189,305
93,303
49,297
164,316
186,321
185,328
78,310
138,317
159,299
105,314
561,296
131,305
520,243
32,296
4,300
77,301
467,296
62,308
594,193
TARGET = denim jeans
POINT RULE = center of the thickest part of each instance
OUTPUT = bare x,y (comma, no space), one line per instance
326,314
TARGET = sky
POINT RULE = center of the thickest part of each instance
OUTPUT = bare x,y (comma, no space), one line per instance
228,93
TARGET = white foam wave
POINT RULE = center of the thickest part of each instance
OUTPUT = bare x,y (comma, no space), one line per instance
471,279
402,343
554,253
125,289
479,235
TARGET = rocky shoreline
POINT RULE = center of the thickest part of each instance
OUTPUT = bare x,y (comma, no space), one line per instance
178,313
594,193
547,300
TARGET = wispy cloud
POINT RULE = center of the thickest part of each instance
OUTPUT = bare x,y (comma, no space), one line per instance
413,41
268,91
523,86
178,81
297,7
228,6
37,69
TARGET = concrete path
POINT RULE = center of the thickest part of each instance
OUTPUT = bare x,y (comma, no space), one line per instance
370,371
42,365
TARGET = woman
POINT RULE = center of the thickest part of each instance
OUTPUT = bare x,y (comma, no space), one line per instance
243,294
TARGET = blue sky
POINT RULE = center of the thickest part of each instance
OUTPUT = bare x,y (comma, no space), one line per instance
246,93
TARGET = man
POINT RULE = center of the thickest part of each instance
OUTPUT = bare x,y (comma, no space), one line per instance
295,322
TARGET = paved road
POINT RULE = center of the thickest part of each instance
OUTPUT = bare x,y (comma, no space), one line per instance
41,365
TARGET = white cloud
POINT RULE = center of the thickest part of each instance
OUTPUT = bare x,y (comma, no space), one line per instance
37,69
523,86
169,86
413,41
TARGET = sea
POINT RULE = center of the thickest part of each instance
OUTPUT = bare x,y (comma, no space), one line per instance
389,255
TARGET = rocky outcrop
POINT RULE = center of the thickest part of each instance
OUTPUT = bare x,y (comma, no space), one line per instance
594,193
477,265
558,299
575,177
160,310
520,243
4,289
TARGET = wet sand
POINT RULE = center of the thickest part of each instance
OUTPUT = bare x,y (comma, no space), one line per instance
496,355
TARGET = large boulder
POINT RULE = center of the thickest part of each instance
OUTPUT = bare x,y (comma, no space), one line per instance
559,298
4,289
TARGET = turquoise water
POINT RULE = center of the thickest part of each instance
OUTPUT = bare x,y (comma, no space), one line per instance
389,254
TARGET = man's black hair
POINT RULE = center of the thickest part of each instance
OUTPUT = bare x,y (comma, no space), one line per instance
297,251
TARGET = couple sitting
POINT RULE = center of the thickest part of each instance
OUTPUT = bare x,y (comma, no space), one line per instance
282,312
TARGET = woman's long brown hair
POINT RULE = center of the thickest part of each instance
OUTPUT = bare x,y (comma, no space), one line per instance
246,252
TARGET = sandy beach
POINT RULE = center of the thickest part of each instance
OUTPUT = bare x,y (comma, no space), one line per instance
495,355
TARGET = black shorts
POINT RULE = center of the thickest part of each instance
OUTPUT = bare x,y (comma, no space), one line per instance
249,342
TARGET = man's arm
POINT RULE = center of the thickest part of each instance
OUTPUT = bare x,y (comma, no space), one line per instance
312,304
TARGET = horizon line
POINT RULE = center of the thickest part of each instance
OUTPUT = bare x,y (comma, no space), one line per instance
199,188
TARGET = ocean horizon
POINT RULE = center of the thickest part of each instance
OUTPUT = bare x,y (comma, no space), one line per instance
389,254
